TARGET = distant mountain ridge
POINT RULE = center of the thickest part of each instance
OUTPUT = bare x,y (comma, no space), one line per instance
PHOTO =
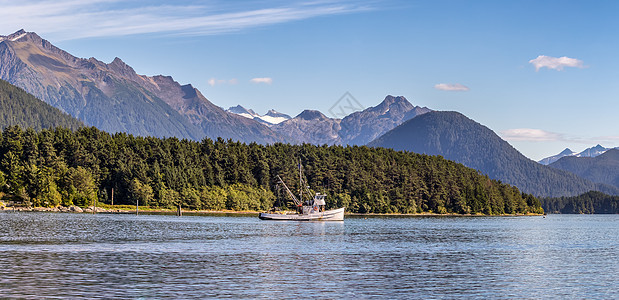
589,152
602,168
113,97
358,128
312,127
458,138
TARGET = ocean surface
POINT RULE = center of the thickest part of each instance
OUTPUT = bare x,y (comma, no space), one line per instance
63,255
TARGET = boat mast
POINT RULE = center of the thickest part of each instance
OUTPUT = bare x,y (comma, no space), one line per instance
300,183
294,199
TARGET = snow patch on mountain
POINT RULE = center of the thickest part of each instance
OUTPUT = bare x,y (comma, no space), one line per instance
270,118
18,37
273,120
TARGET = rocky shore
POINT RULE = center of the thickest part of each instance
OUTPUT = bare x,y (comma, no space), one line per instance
70,209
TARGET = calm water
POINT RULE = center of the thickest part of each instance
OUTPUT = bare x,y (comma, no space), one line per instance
55,255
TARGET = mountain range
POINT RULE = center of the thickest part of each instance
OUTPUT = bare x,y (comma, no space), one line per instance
603,168
113,97
589,152
357,128
458,138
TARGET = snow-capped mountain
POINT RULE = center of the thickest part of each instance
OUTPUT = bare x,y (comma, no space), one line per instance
593,151
275,117
548,160
270,118
589,152
242,111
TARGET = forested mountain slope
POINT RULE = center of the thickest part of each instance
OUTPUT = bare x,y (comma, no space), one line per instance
602,169
20,108
458,138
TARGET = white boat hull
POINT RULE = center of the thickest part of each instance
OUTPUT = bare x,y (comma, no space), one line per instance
329,215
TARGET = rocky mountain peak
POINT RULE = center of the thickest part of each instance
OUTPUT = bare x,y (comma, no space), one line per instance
119,66
276,114
392,102
567,151
310,114
240,110
190,91
14,36
21,34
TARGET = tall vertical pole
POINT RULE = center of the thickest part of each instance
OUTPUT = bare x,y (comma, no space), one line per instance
136,206
300,183
112,196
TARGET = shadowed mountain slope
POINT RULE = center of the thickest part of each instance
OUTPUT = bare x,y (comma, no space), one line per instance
20,108
458,138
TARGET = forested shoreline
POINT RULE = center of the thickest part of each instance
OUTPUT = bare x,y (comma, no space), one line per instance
58,166
593,202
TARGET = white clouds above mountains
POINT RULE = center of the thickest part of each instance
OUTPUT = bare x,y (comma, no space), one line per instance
556,63
453,87
74,19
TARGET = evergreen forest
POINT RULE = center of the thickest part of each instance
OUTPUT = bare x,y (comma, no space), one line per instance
592,202
53,167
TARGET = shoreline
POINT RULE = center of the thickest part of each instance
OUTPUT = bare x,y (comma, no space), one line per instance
125,210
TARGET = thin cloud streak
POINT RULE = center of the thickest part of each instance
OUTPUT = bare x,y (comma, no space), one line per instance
266,80
215,81
531,135
452,87
70,19
539,135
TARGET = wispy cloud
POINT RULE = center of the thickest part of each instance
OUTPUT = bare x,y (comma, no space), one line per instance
454,87
531,135
556,63
74,19
539,135
267,80
214,81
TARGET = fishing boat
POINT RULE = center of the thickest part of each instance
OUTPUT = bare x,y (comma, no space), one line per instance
313,209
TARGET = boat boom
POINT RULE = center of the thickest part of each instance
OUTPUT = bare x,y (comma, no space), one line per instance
296,201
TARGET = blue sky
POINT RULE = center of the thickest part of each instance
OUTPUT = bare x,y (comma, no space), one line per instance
542,74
